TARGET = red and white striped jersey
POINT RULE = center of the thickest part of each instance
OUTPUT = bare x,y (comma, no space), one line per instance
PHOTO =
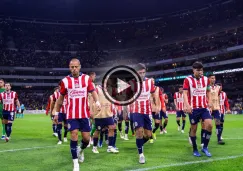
143,105
55,96
8,99
179,100
197,90
223,102
77,90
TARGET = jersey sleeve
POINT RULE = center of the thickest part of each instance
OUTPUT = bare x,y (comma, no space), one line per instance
175,96
0,96
208,85
186,84
152,87
226,103
63,90
90,86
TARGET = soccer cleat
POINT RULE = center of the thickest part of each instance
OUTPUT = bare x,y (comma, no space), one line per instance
6,139
81,156
221,138
190,141
151,141
161,132
141,159
126,137
112,150
59,143
196,153
121,135
99,144
116,148
65,139
76,168
221,142
95,150
55,135
154,136
75,165
178,128
205,150
3,137
88,145
164,130
182,131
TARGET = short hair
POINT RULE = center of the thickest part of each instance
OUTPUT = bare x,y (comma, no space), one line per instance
181,86
8,83
92,73
2,79
197,65
140,66
56,88
211,74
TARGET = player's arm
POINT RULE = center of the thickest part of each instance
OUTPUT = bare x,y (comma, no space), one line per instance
175,101
226,103
154,97
166,99
186,87
17,102
58,104
91,89
52,105
209,95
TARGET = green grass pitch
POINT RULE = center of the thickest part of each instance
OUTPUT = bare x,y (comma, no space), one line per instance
33,148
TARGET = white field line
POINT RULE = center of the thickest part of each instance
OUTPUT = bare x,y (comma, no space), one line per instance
31,148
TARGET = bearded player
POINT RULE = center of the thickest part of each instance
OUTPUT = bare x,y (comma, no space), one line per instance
9,99
196,91
179,103
214,104
77,86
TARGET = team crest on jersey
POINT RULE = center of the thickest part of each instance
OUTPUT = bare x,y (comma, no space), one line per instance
199,85
69,126
192,121
135,124
99,128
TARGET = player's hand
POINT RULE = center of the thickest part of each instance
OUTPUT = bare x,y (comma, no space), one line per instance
19,110
228,111
98,105
56,118
188,109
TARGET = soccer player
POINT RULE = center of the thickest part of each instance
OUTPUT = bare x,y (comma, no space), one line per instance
77,86
223,103
126,116
196,89
164,114
22,110
157,116
214,103
119,110
2,89
61,117
179,103
9,99
104,118
142,110
52,113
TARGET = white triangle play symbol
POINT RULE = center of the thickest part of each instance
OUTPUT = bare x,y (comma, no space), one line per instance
122,85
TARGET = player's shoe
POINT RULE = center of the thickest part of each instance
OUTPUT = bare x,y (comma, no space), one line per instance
88,145
161,132
112,150
154,136
126,137
190,141
80,155
55,134
182,131
196,153
151,141
202,145
205,150
221,142
75,165
221,138
59,143
121,135
3,137
179,128
65,139
7,139
95,150
141,159
164,130
116,148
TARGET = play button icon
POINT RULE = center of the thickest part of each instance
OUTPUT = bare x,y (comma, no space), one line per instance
122,85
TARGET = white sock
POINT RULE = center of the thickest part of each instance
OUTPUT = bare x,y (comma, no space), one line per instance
75,162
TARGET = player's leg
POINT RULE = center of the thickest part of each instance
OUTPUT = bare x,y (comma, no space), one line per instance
222,124
9,118
93,129
126,129
85,132
3,125
65,128
183,121
203,132
59,128
120,119
73,126
217,119
207,118
54,127
98,128
194,119
111,127
157,119
22,113
138,125
165,116
178,118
